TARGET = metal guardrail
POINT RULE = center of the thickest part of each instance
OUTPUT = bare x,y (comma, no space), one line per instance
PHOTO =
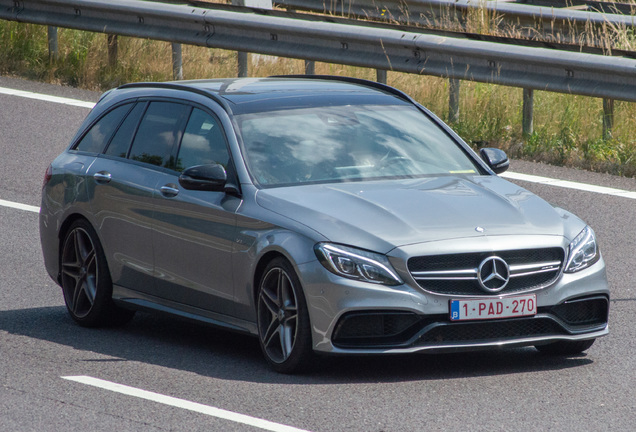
366,46
590,5
319,15
552,17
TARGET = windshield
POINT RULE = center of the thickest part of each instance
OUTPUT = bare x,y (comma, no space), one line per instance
347,143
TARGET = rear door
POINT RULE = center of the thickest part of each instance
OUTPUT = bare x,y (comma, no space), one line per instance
122,182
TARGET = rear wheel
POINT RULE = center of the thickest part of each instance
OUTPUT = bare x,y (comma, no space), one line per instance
283,321
565,348
86,281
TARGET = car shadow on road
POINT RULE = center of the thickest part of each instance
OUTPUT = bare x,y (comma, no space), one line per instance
176,344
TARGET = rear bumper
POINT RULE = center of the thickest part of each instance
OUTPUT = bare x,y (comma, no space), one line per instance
50,242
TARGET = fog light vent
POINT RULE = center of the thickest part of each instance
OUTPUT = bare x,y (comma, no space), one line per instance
583,312
375,328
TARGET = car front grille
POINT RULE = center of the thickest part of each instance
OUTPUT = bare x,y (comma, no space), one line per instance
457,274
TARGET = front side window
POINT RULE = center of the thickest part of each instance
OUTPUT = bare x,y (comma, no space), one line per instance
159,131
203,142
100,133
348,143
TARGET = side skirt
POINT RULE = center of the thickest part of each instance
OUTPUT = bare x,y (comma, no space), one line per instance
132,299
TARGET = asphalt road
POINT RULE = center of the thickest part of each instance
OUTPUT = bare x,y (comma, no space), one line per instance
493,390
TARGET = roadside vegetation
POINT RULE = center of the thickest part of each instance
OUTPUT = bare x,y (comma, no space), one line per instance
567,129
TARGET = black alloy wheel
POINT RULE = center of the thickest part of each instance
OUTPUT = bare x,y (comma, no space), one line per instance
86,281
283,321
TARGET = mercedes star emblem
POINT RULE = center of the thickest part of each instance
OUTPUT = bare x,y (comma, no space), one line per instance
494,274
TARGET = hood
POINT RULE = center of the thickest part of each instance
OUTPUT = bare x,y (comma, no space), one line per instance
383,215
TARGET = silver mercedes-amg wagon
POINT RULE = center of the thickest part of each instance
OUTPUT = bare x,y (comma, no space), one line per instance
324,215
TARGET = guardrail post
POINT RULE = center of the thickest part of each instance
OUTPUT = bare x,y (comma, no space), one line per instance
112,50
52,36
242,56
177,62
527,121
608,118
310,67
381,75
242,64
453,100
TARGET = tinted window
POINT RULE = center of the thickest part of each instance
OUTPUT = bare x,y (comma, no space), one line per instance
120,143
158,132
203,142
97,137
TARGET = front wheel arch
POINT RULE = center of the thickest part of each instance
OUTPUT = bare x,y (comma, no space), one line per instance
259,270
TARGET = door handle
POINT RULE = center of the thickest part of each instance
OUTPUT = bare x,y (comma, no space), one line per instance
169,190
103,177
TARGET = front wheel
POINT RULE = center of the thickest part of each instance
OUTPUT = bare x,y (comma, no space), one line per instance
86,281
565,348
283,321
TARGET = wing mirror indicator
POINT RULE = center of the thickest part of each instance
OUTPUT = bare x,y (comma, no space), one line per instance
496,159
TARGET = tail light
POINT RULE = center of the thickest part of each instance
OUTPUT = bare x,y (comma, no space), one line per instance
47,176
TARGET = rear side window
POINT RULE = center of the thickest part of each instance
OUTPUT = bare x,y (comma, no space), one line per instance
99,134
203,142
160,129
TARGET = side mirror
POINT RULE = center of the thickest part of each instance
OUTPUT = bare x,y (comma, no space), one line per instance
210,178
496,159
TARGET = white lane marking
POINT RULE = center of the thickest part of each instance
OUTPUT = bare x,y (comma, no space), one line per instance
184,404
570,185
19,206
509,175
47,98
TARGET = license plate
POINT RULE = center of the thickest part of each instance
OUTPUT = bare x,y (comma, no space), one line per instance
507,307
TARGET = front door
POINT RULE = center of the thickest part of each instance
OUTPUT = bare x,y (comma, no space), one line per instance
194,230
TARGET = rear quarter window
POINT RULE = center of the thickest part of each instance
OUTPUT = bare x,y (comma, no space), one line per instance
98,136
120,143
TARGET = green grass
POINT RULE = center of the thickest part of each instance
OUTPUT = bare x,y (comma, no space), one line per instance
567,128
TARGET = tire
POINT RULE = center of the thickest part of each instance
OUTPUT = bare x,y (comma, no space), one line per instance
86,281
565,348
284,331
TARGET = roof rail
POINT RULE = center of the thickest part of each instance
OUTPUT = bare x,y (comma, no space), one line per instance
177,86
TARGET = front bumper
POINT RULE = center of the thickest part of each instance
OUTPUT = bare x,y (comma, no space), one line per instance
351,317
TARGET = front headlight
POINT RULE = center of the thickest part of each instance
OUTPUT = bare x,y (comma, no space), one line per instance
357,264
583,251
